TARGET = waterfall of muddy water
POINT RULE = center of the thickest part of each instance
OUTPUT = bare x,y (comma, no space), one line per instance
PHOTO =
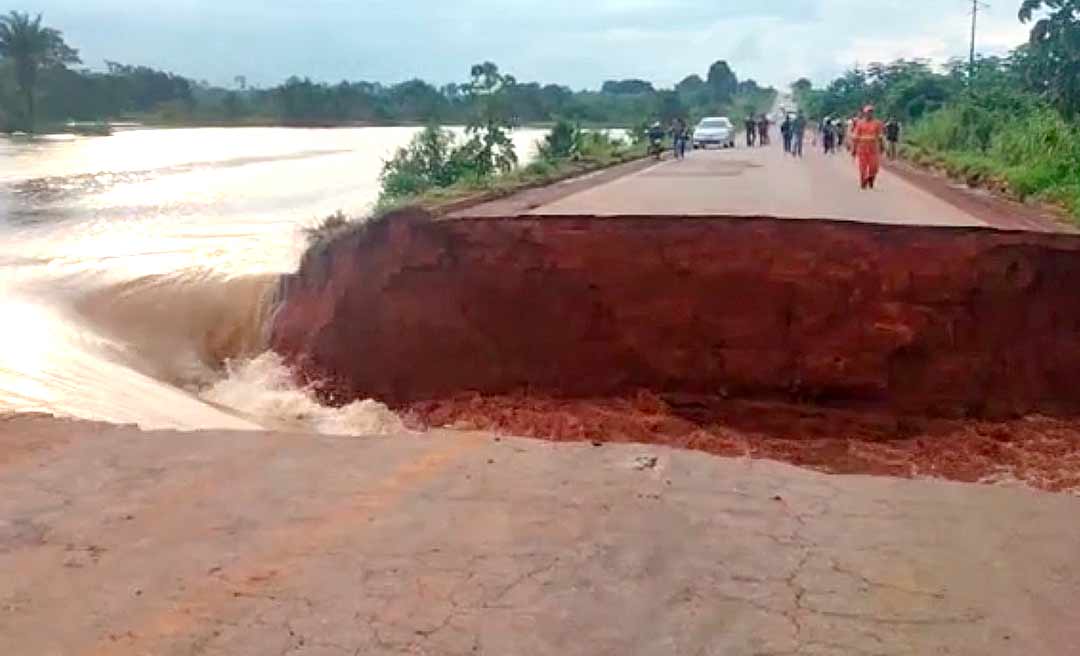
137,271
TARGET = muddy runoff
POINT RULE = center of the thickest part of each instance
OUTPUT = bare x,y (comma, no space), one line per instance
494,322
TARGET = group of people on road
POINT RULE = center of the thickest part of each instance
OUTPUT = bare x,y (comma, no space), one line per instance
793,130
831,133
864,136
680,137
757,130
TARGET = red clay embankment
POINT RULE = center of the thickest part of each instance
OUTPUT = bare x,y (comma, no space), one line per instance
938,321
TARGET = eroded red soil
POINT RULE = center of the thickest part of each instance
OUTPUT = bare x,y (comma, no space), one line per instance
917,320
1042,452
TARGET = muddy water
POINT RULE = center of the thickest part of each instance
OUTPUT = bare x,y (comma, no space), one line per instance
136,270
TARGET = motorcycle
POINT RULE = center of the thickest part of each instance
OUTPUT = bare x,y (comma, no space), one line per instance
656,146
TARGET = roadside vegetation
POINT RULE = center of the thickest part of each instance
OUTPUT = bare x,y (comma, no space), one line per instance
441,167
40,89
1007,123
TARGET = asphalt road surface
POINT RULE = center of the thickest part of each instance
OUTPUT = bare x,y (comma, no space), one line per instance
118,542
762,182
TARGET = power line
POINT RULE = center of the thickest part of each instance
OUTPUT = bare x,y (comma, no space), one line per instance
976,5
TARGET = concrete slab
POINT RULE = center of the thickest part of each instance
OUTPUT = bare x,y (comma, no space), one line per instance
763,182
114,541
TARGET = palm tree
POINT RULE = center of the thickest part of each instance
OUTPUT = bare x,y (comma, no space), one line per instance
32,48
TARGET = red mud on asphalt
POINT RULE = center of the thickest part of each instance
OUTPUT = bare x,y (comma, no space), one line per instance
1041,452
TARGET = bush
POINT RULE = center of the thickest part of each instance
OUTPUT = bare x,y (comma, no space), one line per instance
563,142
425,163
328,228
600,146
1043,137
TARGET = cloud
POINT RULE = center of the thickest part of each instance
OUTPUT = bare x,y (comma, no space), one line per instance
567,41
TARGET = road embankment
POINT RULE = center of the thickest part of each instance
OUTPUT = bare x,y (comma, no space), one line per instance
920,320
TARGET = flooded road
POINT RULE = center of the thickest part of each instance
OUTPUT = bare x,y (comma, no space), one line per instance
133,266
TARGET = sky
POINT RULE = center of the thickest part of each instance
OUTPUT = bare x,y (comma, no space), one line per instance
579,43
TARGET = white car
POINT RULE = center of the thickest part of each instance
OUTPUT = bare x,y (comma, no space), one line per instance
714,131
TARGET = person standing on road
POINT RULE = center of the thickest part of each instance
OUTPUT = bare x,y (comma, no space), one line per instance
785,133
892,136
655,135
751,131
678,137
798,134
827,136
867,136
763,130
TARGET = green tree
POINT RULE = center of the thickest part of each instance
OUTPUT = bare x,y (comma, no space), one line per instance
563,142
489,146
32,48
1054,67
690,85
722,82
801,88
425,163
670,107
627,87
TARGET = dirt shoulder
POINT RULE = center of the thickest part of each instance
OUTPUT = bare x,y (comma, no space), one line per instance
992,207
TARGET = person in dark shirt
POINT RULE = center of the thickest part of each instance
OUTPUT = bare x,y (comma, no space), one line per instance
751,131
892,136
678,138
763,130
828,136
798,134
785,133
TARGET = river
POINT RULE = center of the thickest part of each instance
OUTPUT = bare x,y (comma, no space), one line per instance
137,271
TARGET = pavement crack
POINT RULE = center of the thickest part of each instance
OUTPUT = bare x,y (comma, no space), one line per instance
971,618
543,569
871,583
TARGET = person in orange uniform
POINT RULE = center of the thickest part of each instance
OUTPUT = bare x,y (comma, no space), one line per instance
866,139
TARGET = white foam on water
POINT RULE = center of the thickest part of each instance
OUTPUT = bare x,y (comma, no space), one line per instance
263,388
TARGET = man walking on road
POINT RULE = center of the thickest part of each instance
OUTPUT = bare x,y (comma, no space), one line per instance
892,136
867,134
828,136
798,133
763,130
679,137
751,131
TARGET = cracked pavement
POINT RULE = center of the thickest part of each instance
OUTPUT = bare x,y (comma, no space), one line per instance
115,541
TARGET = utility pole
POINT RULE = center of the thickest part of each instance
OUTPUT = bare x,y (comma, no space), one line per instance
976,5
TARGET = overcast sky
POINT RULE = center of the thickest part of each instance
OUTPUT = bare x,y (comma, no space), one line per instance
575,42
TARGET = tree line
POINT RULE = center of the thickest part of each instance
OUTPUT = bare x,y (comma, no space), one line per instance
1011,122
39,83
1044,70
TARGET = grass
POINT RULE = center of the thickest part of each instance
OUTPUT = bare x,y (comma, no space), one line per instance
1032,157
594,154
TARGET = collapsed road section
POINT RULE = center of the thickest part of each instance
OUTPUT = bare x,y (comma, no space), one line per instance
958,322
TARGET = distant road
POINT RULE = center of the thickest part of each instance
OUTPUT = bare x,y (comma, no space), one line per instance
763,182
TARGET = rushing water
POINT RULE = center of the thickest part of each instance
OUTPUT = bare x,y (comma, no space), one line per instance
136,270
